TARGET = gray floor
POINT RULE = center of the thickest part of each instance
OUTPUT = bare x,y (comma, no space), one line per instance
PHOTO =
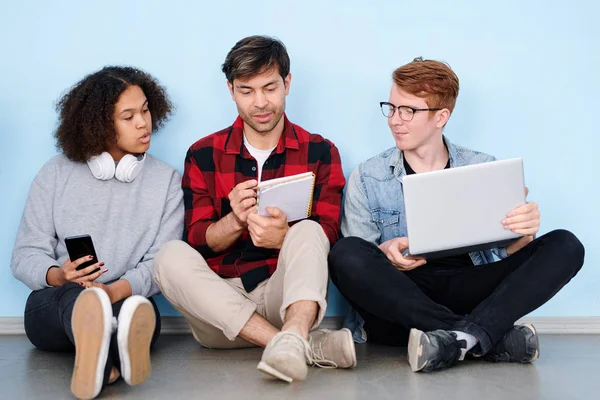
569,368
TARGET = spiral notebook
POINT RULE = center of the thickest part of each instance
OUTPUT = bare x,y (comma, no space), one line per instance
291,194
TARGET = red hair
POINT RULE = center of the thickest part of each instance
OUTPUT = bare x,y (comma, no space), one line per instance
432,80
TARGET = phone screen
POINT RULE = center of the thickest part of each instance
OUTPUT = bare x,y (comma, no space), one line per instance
81,246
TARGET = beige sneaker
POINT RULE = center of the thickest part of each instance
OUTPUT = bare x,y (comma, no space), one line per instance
332,349
92,323
285,357
137,321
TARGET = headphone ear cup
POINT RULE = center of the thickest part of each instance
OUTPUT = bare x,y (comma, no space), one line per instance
102,166
129,168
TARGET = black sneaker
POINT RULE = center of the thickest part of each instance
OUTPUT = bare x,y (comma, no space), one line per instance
434,350
520,344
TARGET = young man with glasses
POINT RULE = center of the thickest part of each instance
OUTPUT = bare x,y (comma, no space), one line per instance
448,307
241,279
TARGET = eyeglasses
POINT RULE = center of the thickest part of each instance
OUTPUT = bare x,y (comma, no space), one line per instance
406,113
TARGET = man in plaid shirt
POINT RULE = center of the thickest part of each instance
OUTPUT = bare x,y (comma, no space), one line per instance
241,279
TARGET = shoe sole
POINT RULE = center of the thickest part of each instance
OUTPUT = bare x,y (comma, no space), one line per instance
267,369
416,342
351,341
134,339
537,350
91,323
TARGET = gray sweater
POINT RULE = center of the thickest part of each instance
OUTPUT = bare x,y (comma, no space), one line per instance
128,222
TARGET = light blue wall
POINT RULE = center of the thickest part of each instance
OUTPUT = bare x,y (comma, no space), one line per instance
529,87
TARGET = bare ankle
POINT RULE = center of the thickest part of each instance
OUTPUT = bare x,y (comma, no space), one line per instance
114,375
300,316
299,329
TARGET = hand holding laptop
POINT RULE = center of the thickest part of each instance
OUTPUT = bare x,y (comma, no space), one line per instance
523,220
394,249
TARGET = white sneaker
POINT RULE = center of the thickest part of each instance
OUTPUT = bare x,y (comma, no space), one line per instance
137,321
92,328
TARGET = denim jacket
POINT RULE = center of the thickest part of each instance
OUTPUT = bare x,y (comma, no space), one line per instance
374,207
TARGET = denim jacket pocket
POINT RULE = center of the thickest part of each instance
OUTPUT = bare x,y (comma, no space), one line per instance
387,222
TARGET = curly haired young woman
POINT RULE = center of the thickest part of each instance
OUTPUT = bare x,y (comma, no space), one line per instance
105,185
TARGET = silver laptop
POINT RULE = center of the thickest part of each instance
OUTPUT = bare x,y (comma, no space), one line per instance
459,210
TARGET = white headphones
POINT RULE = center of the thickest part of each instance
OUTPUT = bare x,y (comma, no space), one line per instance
103,167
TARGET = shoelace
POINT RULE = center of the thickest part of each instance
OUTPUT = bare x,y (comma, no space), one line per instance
313,356
316,356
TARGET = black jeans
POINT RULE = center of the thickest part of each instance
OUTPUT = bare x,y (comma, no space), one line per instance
48,322
483,300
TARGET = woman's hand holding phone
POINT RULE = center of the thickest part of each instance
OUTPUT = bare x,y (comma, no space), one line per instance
68,272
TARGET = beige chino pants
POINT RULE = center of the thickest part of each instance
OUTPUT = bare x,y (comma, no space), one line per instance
218,308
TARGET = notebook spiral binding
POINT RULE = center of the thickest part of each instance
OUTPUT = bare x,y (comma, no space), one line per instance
310,198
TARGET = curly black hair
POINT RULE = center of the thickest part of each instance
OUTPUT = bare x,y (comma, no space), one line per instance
86,112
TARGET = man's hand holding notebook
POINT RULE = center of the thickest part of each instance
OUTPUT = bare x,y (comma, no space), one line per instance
291,194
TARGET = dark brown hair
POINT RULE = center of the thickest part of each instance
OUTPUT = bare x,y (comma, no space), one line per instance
254,55
86,112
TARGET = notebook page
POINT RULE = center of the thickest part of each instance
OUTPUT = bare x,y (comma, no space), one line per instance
293,197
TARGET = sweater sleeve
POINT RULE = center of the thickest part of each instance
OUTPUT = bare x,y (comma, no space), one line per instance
34,251
141,277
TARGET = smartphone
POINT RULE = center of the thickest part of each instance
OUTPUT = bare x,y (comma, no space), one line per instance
81,246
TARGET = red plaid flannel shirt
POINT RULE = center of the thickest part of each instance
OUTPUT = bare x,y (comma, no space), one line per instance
217,163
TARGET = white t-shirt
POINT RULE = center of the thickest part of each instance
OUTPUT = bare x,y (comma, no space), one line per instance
260,155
